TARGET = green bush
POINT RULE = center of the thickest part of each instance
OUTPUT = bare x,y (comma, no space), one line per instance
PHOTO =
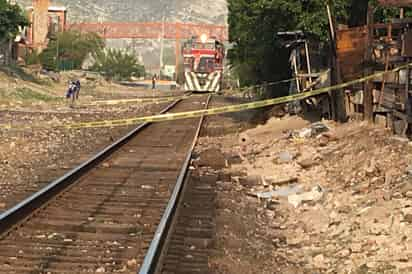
117,64
32,58
68,50
11,18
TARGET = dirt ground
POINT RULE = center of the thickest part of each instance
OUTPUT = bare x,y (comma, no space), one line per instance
30,159
293,196
298,197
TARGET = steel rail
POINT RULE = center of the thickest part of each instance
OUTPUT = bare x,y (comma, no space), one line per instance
22,210
151,261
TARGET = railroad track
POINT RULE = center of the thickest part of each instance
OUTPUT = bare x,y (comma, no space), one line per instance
190,241
109,215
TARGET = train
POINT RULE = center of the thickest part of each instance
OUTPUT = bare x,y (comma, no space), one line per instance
203,64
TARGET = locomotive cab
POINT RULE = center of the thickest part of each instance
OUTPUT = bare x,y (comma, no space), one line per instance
203,63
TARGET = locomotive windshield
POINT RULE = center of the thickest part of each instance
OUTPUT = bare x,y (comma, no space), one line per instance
206,64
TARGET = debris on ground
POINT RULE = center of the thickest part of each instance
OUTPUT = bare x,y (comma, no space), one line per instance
332,199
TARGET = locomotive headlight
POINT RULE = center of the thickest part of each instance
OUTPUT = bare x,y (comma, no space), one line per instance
203,38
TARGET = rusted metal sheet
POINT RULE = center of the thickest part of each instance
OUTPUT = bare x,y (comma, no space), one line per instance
351,47
408,44
395,3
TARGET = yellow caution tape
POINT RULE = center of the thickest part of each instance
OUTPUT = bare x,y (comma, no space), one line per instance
219,110
140,100
136,100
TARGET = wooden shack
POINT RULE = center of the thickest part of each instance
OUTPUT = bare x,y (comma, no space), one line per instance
375,48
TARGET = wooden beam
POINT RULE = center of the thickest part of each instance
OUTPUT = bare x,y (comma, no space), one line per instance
395,3
368,87
338,97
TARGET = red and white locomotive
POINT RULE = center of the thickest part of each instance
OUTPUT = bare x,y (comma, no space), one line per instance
203,63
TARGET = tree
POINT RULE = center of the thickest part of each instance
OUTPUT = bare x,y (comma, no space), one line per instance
69,49
118,64
258,55
11,18
358,14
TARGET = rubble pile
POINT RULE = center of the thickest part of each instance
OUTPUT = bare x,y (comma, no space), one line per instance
322,198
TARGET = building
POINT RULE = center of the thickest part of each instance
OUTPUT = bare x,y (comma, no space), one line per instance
44,20
379,48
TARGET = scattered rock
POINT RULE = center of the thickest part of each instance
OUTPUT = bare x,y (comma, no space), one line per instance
408,218
323,141
101,270
344,253
251,180
307,163
356,248
281,180
234,160
213,158
131,263
409,170
319,261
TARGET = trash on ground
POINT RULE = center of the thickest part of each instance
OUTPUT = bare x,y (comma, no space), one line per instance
281,192
315,195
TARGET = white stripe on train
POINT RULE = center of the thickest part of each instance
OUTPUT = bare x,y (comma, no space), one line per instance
212,82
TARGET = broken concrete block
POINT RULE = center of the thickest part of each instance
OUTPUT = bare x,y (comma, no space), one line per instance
307,163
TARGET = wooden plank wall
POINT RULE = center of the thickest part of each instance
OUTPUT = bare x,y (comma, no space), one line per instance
395,3
351,47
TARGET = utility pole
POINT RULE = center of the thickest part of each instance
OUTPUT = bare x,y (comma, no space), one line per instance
162,44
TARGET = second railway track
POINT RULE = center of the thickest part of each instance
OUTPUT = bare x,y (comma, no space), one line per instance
106,218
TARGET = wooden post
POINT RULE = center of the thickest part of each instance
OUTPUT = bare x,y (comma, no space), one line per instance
368,87
177,50
338,96
295,70
308,63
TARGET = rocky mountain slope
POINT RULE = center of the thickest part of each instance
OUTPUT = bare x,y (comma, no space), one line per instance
196,11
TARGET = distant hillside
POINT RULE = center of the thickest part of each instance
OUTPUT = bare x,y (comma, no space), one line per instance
196,11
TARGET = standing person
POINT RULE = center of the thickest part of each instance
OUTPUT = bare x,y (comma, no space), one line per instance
78,86
154,81
71,92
